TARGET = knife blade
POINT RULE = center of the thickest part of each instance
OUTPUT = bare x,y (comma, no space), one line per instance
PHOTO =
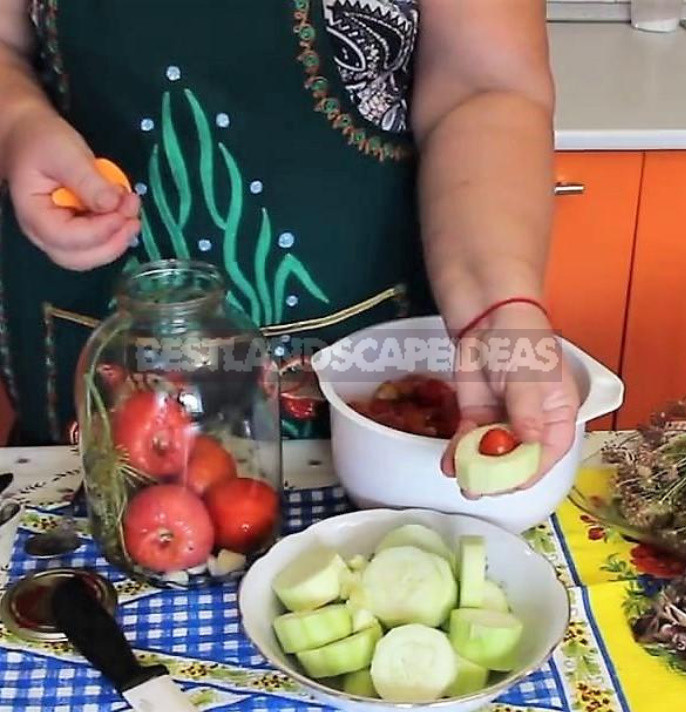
6,479
97,636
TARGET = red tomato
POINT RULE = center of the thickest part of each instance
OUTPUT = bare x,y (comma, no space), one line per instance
433,391
244,512
208,464
167,528
155,432
497,441
299,407
112,374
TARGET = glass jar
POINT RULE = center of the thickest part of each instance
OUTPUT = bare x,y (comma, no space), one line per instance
177,400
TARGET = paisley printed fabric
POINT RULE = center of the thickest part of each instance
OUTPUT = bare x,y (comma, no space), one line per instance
374,42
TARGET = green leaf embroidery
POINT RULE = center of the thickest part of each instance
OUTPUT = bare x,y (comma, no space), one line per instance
176,161
289,429
202,126
264,243
148,238
291,265
231,235
160,198
263,301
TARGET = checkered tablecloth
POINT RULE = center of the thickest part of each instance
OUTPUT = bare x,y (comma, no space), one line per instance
196,633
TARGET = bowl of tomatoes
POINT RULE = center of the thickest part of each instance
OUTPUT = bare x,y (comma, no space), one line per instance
393,410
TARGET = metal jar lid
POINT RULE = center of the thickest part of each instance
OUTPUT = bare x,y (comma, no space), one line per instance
25,607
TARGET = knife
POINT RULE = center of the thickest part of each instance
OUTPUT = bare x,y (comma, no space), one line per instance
98,637
6,479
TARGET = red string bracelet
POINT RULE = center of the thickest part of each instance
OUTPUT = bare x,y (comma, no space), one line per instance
487,312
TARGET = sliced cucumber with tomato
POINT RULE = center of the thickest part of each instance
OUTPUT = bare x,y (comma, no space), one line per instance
489,460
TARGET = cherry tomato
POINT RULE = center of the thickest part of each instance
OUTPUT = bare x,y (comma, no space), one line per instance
497,441
208,464
244,512
155,433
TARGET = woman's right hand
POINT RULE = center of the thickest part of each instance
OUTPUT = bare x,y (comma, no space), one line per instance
42,152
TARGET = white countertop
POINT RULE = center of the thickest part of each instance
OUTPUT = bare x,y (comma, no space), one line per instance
618,88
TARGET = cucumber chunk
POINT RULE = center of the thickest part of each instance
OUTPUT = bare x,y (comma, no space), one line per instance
494,597
350,580
348,655
487,638
470,678
312,581
312,629
407,585
481,474
472,571
359,683
361,617
420,536
413,663
357,562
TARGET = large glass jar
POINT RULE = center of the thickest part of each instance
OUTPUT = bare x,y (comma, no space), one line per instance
177,401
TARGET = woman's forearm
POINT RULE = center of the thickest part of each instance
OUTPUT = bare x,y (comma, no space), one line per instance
486,194
19,89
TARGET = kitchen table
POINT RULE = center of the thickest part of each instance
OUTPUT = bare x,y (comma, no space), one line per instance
597,668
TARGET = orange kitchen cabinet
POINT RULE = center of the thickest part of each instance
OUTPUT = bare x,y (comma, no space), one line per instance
589,271
654,361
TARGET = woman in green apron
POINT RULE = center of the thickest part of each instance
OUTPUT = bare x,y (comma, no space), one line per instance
298,144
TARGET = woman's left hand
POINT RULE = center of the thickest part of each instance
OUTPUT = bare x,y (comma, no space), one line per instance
513,371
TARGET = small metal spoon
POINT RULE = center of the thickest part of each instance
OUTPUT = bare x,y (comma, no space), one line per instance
60,540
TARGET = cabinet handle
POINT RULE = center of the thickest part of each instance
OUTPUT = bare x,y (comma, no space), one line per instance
569,188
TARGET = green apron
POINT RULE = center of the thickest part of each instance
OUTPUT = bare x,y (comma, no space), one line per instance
234,123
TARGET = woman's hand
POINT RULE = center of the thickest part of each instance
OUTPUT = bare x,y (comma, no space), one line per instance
42,153
520,377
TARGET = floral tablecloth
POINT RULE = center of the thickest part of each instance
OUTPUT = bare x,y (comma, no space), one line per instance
598,667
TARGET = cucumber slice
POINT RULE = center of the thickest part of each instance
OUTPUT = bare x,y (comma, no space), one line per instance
481,474
312,581
413,663
312,629
470,678
420,536
407,585
472,571
487,638
359,683
494,598
348,655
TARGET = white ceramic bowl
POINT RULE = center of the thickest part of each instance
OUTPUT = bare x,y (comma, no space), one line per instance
382,467
536,595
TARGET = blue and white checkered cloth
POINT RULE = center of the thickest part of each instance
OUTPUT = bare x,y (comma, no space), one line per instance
202,625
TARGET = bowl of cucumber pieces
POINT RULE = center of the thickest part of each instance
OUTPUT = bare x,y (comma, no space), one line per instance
388,609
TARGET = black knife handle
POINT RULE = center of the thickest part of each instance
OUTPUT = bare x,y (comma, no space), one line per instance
6,479
97,635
